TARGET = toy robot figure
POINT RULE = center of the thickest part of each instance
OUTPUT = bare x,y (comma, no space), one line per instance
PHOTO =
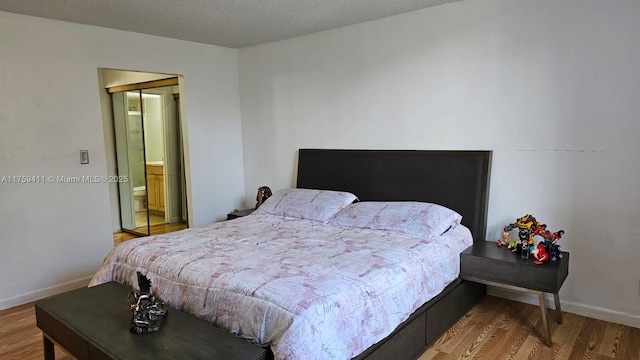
526,226
542,231
550,241
524,249
554,252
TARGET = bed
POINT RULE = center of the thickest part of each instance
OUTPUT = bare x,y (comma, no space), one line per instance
456,179
292,299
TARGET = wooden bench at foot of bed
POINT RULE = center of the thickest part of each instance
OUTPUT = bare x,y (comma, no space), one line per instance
93,323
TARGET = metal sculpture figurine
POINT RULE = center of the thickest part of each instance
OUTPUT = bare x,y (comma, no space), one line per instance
148,312
263,194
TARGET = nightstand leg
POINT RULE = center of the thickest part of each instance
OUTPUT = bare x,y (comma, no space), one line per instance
556,297
49,350
545,322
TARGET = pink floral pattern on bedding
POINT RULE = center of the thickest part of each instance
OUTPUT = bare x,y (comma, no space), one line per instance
310,204
411,218
311,291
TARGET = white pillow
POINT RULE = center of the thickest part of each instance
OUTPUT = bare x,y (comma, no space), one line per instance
317,205
411,218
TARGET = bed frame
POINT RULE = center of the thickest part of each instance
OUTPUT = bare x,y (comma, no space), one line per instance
458,180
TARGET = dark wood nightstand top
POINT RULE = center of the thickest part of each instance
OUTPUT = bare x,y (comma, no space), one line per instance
239,213
484,260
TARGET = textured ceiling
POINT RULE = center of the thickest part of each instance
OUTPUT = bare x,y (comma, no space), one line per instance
230,23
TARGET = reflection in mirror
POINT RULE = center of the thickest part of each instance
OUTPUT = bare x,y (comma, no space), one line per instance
154,141
165,190
128,115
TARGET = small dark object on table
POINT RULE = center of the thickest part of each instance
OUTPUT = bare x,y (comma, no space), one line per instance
264,192
239,213
148,312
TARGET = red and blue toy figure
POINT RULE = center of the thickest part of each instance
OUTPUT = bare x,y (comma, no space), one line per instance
540,253
550,241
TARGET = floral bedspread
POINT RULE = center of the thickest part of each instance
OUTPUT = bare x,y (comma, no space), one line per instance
309,290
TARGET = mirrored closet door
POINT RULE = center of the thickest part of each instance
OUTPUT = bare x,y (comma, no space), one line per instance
130,152
148,152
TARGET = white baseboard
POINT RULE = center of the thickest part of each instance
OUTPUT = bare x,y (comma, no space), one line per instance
595,312
30,296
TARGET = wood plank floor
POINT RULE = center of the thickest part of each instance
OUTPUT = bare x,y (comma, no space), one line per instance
502,329
494,329
20,338
155,230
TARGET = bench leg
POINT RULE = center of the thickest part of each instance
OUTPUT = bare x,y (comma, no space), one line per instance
49,350
545,322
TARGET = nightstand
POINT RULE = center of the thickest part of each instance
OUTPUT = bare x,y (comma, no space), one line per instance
484,262
239,213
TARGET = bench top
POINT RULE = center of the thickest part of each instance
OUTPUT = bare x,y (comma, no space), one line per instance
96,320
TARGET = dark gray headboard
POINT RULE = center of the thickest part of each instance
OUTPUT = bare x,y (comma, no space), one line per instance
458,180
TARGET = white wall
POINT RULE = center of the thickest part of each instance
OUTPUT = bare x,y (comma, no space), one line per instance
551,86
54,236
153,129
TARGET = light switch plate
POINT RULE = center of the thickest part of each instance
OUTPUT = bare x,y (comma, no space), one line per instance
84,156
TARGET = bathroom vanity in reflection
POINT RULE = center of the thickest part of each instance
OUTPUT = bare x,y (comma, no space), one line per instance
155,187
